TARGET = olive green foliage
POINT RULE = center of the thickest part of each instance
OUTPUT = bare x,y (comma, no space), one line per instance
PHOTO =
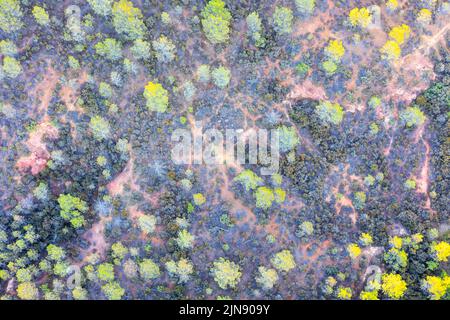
73,62
10,15
110,49
128,20
221,77
302,68
185,240
216,21
282,20
72,209
164,49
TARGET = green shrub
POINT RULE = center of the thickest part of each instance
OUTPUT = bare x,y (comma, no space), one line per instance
110,49
264,197
255,29
221,77
305,7
148,269
41,16
412,116
10,15
100,128
8,48
203,73
71,209
101,7
105,90
11,67
164,49
226,273
140,49
329,67
282,20
288,138
157,97
330,112
248,179
113,291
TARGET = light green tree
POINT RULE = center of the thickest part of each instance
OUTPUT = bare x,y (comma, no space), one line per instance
216,21
164,49
109,48
72,209
101,7
127,20
157,97
305,7
10,15
41,16
221,77
282,20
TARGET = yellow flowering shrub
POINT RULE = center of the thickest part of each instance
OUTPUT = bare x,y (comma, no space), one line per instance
335,50
359,17
353,250
283,261
390,50
199,199
400,33
424,16
392,4
393,285
417,238
369,295
441,250
365,239
344,293
436,287
396,242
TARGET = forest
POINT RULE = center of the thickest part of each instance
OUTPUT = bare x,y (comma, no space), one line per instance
93,205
